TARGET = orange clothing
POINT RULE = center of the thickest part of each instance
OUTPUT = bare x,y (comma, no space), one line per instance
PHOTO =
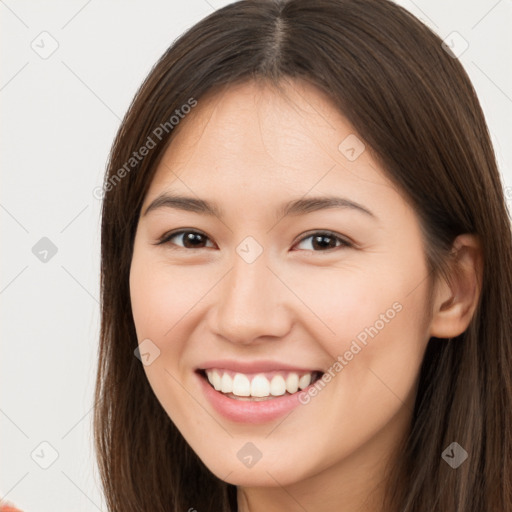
9,507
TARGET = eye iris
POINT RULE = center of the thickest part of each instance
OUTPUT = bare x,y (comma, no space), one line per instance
320,239
194,238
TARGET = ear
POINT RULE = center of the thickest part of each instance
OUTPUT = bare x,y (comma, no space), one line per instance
454,303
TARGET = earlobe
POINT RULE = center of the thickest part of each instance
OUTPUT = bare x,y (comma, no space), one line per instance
455,302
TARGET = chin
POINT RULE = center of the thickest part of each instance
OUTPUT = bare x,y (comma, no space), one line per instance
263,473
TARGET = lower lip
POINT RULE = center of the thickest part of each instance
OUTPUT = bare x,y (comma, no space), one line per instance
245,411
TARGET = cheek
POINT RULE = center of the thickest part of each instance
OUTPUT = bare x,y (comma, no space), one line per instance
379,345
372,323
160,300
162,297
166,309
339,303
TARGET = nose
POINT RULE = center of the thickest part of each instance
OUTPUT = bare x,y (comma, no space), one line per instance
251,304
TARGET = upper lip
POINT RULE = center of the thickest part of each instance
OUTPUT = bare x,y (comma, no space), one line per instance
253,366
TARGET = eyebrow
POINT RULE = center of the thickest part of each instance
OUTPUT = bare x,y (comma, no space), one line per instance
299,206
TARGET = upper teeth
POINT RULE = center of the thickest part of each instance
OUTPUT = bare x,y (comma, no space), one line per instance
258,385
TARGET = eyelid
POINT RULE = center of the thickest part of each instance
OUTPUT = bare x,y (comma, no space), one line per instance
345,241
164,239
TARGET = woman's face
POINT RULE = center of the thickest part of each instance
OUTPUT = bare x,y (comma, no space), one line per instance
263,298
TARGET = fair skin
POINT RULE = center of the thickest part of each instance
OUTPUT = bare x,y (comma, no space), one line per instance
249,150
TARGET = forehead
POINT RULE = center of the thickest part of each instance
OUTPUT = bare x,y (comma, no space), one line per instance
252,138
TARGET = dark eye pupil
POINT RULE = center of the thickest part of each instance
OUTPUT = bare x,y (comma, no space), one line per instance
319,241
193,238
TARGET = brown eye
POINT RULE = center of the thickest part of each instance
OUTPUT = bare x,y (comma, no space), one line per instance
324,240
189,239
321,241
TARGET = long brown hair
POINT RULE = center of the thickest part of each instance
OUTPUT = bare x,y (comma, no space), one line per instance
413,104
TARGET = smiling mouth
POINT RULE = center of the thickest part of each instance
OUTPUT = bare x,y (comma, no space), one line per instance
258,386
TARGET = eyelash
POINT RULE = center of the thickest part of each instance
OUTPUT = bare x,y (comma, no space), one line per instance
165,239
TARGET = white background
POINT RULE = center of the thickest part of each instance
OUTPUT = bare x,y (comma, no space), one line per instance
60,115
